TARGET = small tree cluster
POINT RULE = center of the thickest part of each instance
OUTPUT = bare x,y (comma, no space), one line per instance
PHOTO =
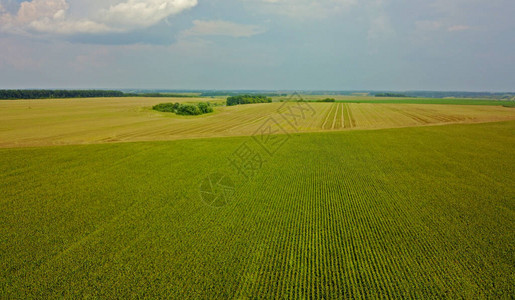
185,109
327,100
247,99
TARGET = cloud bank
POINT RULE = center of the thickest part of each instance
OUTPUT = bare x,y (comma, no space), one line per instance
53,16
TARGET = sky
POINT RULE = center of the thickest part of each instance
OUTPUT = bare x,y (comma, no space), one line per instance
397,45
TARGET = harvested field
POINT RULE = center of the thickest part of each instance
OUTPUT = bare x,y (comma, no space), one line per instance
85,121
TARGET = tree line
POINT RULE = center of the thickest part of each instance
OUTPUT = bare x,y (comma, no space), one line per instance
53,94
247,99
47,94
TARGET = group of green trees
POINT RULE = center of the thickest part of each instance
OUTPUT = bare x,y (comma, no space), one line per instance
185,109
327,100
47,94
247,99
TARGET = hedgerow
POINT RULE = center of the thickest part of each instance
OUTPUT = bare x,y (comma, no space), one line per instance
247,99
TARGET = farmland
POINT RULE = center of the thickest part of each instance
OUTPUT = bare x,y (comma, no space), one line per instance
107,120
406,100
257,149
407,212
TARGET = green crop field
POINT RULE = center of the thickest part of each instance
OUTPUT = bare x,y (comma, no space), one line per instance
421,212
506,103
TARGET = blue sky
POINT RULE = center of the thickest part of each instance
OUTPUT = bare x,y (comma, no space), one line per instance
259,44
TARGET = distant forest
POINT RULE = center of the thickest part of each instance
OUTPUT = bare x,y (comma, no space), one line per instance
56,94
391,95
47,94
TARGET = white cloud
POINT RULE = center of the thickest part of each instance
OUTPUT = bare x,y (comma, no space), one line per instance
458,28
380,24
380,28
64,26
438,26
38,9
139,13
428,25
52,16
223,28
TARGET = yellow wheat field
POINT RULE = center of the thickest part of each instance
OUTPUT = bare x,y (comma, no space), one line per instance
26,123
